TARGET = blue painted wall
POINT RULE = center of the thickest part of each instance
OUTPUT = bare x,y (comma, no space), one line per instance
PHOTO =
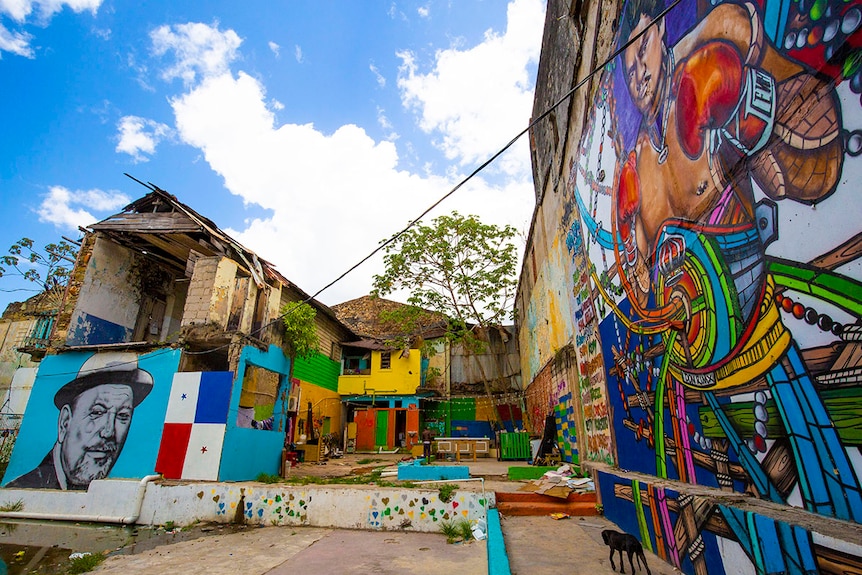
250,452
38,431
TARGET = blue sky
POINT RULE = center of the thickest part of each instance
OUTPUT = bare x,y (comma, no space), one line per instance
309,131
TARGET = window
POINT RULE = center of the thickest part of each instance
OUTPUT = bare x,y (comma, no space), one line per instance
356,364
257,403
385,360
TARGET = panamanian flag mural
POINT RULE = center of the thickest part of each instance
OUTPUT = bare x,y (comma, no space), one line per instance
195,425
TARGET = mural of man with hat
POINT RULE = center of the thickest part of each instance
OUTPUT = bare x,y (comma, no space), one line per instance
95,415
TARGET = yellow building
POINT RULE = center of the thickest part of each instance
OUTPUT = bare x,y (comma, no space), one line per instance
379,384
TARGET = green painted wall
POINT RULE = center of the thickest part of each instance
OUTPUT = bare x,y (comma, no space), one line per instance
319,370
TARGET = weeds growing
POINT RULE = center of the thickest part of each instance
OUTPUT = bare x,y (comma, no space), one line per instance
85,563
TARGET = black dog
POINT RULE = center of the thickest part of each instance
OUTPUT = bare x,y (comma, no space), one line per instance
624,542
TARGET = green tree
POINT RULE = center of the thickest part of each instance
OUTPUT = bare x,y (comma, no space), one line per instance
300,339
300,331
459,267
48,267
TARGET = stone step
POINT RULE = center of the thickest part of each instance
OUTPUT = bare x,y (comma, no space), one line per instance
526,503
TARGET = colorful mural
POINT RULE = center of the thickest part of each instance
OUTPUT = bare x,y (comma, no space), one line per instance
92,416
549,393
716,190
698,535
381,509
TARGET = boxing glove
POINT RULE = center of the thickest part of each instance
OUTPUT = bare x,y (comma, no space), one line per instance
628,205
707,90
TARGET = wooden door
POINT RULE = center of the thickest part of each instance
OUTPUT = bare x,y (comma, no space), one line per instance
382,428
413,436
365,423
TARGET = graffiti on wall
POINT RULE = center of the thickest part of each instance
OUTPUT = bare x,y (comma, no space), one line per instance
716,186
698,535
92,416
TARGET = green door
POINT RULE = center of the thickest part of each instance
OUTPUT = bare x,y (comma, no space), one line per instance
382,430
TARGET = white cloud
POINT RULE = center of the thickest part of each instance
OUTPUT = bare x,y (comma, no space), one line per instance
384,123
347,183
20,11
15,42
424,11
139,137
67,209
475,100
381,79
200,50
297,53
276,49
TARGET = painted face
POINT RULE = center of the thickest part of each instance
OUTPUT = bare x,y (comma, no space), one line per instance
92,432
643,65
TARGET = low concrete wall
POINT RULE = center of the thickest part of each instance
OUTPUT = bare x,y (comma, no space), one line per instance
107,498
349,507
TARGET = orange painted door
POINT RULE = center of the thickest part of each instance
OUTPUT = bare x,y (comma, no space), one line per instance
412,426
365,428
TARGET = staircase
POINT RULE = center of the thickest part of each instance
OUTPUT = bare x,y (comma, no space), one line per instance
526,503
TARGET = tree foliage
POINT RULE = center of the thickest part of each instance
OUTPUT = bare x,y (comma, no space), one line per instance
49,267
457,266
300,330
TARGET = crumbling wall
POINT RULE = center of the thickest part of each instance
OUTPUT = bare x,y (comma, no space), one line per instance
108,298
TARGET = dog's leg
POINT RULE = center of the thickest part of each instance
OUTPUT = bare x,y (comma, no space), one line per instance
622,565
611,557
643,557
631,564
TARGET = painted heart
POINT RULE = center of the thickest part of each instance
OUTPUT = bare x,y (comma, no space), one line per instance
454,505
216,498
385,501
425,501
374,514
278,498
387,512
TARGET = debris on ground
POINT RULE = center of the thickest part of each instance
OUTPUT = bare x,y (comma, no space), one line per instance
560,483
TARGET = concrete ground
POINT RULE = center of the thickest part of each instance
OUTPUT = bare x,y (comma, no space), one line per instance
535,545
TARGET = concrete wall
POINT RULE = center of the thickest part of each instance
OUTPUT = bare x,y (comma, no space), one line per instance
12,335
109,299
360,507
249,452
